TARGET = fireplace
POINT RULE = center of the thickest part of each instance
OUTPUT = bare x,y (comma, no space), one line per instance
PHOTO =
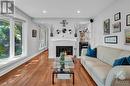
67,49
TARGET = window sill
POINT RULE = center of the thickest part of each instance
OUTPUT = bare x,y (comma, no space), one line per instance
9,64
7,61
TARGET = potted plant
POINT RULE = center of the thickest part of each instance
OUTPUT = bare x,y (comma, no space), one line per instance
62,58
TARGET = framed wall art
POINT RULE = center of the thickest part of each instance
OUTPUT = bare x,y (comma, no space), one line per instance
106,26
116,27
128,20
117,16
111,39
127,36
34,33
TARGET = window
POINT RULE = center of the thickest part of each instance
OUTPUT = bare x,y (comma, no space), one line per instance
10,39
4,38
18,38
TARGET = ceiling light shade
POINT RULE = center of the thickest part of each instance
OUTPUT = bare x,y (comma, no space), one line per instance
44,11
78,11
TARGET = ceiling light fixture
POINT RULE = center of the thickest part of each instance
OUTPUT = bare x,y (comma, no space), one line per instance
78,11
44,11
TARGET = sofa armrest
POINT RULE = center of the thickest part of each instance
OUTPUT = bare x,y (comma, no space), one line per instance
119,73
83,52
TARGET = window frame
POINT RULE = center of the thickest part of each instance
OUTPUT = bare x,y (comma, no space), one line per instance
12,21
6,19
15,21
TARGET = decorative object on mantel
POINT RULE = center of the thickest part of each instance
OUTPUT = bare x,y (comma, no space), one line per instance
51,31
117,27
64,23
58,31
70,31
117,16
76,28
85,30
34,33
127,36
75,35
128,20
111,39
64,30
91,20
106,27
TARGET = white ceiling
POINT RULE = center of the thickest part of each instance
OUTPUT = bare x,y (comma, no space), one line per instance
62,8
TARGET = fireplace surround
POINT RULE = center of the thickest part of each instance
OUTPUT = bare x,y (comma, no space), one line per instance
67,49
65,43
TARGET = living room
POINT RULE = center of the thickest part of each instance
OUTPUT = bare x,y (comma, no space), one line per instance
93,37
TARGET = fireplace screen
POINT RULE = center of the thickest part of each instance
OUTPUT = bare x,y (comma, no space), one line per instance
67,49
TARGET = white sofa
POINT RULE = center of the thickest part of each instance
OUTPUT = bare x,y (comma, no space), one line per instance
101,70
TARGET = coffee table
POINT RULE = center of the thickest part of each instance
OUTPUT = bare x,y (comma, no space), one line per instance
67,70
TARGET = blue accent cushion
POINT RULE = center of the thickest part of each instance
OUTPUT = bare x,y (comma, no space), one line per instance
121,61
128,59
91,52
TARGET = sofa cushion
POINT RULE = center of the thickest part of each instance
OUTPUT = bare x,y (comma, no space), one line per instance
124,53
92,62
98,68
87,58
107,54
101,72
84,52
91,59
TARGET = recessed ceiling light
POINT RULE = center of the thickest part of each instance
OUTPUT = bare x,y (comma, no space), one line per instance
44,11
78,11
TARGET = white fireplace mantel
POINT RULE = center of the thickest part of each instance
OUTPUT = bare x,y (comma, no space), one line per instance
53,42
63,39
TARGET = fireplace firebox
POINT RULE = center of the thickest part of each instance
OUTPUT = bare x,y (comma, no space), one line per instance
67,49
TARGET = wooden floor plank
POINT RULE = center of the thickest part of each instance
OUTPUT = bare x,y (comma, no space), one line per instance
38,72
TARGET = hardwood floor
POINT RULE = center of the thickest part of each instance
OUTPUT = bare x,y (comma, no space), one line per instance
38,71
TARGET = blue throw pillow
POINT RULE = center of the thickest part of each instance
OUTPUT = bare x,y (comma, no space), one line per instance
121,61
128,59
88,51
91,52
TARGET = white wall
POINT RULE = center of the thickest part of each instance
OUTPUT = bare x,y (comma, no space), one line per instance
122,6
31,43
